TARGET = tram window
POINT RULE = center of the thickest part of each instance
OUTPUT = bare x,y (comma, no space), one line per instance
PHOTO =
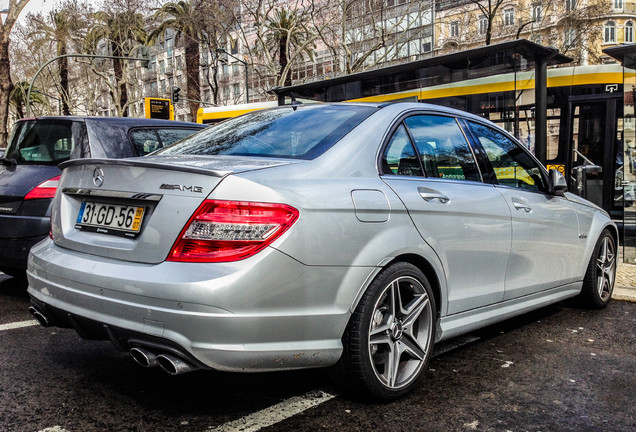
511,164
443,148
400,157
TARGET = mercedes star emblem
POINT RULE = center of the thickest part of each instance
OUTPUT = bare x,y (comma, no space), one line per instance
98,177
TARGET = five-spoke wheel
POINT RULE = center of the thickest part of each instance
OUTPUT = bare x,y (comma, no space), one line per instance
390,337
601,272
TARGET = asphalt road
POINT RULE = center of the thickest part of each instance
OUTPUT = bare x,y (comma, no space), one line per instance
558,369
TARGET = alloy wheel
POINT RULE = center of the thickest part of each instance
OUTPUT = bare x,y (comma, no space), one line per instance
400,332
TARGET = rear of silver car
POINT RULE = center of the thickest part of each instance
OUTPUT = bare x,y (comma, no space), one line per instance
138,299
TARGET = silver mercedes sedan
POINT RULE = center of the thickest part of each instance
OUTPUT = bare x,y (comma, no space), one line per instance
350,236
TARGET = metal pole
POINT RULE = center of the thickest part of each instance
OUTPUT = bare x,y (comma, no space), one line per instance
28,101
541,119
247,88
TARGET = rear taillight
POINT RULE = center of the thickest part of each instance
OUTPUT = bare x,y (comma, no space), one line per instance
46,189
221,231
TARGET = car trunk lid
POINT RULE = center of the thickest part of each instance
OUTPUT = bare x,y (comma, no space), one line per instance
134,209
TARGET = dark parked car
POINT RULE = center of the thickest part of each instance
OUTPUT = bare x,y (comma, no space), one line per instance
29,174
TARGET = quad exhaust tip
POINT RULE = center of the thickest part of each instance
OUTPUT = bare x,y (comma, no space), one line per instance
39,317
144,357
174,365
169,363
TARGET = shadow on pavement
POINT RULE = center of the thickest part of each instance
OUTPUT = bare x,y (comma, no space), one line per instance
12,286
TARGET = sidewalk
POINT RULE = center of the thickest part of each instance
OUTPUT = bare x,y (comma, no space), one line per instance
625,285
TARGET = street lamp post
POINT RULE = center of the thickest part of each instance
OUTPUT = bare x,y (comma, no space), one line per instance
247,90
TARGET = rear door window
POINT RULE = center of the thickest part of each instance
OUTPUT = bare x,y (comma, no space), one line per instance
147,140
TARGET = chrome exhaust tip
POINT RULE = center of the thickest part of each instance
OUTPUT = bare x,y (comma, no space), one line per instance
174,365
39,317
144,357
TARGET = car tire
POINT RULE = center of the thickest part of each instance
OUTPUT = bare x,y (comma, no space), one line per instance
389,339
598,282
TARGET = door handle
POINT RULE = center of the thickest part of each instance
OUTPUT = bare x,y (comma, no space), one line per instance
521,205
430,196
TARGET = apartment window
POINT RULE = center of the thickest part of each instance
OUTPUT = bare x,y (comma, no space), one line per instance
610,32
618,4
509,17
537,12
454,29
569,37
177,60
162,67
629,32
236,90
570,5
483,25
226,93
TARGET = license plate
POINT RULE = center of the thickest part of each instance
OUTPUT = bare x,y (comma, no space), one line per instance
113,219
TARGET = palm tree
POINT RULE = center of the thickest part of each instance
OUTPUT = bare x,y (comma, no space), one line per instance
287,34
58,29
19,95
187,20
122,31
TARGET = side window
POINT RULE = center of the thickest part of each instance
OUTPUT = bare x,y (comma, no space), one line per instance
400,157
171,136
145,141
148,140
443,147
512,165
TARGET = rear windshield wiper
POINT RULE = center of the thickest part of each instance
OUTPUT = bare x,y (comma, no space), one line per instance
8,162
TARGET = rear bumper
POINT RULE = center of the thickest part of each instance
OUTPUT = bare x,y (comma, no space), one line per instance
14,252
265,313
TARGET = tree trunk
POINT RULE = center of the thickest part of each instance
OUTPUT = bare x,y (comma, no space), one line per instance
282,51
192,75
120,84
6,86
63,70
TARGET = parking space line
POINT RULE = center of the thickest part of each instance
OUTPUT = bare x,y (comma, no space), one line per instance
17,325
276,413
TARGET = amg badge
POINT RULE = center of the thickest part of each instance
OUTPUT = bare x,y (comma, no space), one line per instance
183,188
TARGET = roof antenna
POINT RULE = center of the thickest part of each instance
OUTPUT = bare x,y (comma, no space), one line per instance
294,102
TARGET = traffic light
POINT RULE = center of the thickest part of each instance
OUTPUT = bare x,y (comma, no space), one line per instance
144,52
175,94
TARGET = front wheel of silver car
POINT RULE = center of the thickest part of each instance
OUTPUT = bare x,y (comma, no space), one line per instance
389,339
598,283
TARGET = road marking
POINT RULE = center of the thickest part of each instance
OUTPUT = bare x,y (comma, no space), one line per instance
17,325
54,429
296,405
276,413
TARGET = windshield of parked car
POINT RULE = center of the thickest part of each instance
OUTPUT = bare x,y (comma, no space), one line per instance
43,142
299,132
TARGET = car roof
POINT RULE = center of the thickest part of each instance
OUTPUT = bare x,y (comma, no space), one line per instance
128,121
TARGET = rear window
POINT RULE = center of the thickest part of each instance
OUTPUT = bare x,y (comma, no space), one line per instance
45,142
298,132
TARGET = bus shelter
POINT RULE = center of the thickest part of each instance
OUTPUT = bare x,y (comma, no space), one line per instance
570,116
505,82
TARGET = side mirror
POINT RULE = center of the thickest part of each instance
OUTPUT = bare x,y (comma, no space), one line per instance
558,185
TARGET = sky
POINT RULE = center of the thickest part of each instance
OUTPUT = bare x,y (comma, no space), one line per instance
33,6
